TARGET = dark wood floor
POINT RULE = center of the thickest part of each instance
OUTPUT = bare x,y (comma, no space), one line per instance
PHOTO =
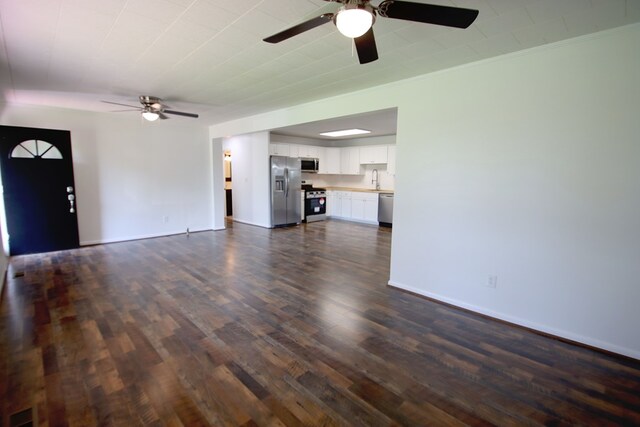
294,326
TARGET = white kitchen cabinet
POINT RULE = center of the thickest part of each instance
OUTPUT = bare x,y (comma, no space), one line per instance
344,201
391,159
371,209
364,207
294,150
331,202
357,208
332,160
308,151
279,149
373,155
350,161
322,159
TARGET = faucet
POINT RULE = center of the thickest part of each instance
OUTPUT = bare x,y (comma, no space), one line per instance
375,179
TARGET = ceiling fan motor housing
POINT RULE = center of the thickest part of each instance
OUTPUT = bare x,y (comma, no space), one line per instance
152,102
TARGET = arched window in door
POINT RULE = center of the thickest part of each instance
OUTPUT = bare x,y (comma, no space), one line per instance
35,149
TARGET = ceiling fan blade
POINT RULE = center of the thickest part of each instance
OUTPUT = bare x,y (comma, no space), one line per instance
428,13
181,113
137,107
161,115
122,111
300,28
366,47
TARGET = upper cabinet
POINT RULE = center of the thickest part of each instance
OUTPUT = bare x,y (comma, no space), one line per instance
332,161
341,161
322,159
279,150
350,161
391,159
308,151
373,155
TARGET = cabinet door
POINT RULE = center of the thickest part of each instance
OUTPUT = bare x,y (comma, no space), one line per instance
350,161
375,154
391,159
371,210
344,161
279,149
357,208
308,151
330,202
322,158
354,160
337,205
332,160
345,205
294,150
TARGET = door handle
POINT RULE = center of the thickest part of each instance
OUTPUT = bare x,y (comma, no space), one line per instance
286,182
71,199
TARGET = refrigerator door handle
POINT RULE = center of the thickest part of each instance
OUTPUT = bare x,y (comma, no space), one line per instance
286,182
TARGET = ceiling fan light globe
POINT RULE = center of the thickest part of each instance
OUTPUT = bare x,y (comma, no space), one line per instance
150,116
354,22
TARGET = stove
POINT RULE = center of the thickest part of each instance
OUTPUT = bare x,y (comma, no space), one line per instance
315,202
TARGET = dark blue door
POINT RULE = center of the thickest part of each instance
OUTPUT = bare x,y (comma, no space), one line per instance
39,191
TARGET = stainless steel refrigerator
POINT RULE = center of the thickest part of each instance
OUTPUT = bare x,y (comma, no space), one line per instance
286,182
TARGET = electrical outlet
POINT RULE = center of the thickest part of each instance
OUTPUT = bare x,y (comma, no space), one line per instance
165,219
492,281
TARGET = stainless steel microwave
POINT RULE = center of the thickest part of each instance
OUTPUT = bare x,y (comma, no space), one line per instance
309,165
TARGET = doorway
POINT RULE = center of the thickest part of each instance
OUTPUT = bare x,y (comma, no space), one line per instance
228,184
39,189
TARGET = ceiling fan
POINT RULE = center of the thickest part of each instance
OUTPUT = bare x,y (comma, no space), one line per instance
356,17
152,108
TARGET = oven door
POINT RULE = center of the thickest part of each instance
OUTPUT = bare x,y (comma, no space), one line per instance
315,208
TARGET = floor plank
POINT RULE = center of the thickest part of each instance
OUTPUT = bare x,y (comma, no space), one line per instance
293,326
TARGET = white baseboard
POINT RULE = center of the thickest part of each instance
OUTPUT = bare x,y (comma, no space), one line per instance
359,221
523,322
242,221
138,237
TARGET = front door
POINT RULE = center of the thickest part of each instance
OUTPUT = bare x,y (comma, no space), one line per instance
39,192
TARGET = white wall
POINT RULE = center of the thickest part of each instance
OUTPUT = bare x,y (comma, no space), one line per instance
525,167
250,177
133,178
218,172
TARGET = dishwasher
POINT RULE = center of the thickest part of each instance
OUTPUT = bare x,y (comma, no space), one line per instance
385,209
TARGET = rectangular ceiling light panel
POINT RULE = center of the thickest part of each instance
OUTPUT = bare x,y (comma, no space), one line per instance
345,132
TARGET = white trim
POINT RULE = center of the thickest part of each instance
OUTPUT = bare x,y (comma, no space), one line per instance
252,223
527,324
139,237
359,221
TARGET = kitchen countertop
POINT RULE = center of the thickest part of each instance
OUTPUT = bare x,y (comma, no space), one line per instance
361,190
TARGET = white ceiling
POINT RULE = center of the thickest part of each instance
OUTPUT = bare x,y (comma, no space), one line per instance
207,56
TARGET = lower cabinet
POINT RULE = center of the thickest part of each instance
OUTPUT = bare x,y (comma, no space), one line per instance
353,205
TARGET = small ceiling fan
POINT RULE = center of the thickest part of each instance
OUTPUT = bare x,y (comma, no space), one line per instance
152,108
355,20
